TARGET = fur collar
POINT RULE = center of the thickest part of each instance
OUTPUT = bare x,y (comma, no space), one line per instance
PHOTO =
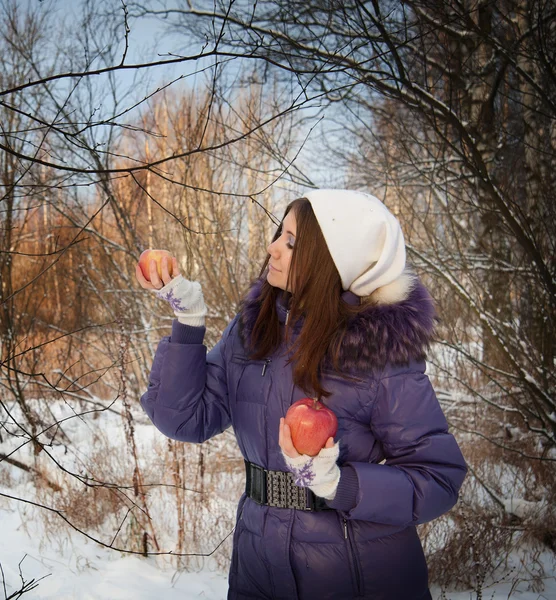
395,325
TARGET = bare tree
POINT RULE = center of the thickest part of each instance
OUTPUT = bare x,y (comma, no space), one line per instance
91,176
447,111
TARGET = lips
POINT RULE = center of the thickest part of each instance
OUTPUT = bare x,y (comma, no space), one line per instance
274,268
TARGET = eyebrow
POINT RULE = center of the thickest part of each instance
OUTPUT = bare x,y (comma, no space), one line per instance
291,232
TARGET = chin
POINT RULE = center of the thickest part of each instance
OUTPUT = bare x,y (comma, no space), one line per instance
271,278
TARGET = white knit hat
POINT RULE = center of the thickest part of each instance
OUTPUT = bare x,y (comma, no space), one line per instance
364,238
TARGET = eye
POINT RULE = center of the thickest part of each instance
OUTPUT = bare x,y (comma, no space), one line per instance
291,242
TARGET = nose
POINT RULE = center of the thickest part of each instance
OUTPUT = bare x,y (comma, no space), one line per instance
272,249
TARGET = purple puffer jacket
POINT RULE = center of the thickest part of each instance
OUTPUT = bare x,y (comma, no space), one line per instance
400,466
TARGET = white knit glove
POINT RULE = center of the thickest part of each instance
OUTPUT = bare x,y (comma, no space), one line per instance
319,473
186,298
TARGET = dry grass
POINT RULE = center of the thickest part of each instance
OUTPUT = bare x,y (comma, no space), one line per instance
475,540
188,491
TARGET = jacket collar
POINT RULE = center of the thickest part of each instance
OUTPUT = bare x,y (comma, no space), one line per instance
395,325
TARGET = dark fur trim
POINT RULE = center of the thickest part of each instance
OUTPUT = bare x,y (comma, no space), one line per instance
392,333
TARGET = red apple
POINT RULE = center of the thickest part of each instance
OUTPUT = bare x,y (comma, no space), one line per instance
157,256
311,424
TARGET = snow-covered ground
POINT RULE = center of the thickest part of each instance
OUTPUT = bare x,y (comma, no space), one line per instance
81,570
66,565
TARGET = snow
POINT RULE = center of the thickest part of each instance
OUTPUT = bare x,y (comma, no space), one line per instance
67,565
64,563
524,508
83,570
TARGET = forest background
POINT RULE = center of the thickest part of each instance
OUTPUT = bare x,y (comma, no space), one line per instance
188,126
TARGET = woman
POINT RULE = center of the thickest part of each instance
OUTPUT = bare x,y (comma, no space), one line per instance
335,315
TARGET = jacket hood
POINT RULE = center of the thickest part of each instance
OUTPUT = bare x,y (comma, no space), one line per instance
395,324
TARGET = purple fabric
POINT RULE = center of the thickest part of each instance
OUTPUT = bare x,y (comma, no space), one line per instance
346,492
368,547
186,334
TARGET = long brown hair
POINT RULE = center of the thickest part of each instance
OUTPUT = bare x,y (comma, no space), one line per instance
315,302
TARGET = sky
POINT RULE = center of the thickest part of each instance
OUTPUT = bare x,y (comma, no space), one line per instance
148,39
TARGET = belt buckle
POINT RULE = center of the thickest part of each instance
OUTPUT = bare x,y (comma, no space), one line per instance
283,493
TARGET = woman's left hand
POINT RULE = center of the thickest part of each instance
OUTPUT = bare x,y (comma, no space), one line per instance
286,444
319,473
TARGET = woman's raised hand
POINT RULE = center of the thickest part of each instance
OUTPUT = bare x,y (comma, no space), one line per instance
165,280
168,270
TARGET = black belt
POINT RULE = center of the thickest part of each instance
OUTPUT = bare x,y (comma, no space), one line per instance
277,488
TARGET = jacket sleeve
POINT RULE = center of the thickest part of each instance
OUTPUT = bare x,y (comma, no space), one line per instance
423,468
187,397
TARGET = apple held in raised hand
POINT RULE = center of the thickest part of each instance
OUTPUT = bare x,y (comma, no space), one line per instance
311,424
157,256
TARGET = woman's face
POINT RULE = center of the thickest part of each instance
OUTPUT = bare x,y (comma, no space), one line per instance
281,251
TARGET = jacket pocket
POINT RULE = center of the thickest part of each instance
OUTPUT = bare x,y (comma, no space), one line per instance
252,379
353,558
262,365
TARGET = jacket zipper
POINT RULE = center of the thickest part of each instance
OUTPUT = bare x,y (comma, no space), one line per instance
353,558
267,361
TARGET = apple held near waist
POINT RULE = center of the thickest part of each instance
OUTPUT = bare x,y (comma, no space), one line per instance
311,424
157,256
